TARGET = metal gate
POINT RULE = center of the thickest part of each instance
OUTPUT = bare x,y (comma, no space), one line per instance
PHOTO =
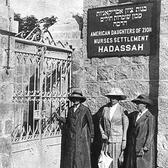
42,79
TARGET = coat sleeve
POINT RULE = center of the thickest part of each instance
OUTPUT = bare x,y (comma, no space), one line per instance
150,132
125,123
90,122
101,122
62,119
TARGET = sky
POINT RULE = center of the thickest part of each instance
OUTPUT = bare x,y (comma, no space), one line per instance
44,8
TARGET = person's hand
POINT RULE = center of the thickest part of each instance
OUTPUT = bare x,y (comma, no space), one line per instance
140,153
121,159
104,137
92,140
56,115
145,149
60,119
123,144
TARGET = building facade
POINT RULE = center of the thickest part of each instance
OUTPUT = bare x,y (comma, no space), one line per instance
134,74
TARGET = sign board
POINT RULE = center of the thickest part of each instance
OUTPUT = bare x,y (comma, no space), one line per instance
121,30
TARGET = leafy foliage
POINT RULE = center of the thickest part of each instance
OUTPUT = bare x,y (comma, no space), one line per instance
79,20
48,21
28,23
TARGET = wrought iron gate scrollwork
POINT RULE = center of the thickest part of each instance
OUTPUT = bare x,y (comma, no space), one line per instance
41,85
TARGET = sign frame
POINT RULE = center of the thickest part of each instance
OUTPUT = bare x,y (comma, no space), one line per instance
105,39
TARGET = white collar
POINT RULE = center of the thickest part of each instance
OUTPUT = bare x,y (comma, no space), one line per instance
144,111
76,107
141,114
114,106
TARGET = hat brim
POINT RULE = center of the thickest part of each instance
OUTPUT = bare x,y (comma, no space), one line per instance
137,101
120,97
82,99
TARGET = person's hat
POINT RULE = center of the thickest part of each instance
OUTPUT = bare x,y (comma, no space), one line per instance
116,93
77,94
142,98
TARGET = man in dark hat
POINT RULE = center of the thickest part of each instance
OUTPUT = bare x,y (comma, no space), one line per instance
141,134
79,133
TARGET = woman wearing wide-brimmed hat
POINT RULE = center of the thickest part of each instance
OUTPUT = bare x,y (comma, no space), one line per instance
113,126
141,134
79,133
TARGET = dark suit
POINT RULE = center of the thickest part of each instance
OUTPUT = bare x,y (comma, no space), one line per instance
140,136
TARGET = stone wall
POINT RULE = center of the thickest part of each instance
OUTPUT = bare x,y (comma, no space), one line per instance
133,74
6,82
162,137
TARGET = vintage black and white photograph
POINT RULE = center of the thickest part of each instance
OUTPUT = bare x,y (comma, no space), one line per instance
84,83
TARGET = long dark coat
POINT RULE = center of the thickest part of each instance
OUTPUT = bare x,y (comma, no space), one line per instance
140,135
77,136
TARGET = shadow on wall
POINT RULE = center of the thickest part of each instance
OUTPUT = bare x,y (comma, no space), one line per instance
154,73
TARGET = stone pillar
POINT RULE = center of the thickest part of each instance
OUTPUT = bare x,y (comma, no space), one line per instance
6,82
162,137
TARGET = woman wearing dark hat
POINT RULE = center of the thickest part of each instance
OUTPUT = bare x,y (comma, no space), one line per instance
141,134
79,133
113,126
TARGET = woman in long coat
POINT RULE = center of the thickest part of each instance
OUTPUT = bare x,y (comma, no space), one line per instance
113,126
78,134
140,135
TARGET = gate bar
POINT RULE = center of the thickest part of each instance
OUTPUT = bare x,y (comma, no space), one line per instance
42,45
